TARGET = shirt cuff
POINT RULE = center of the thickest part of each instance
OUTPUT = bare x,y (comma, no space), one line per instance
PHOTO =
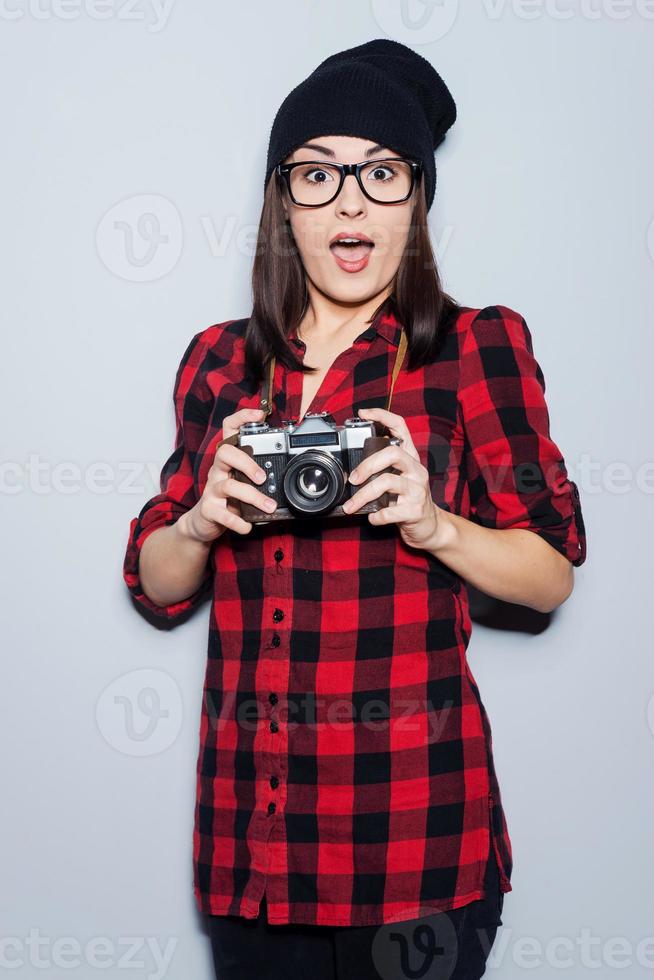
568,536
139,531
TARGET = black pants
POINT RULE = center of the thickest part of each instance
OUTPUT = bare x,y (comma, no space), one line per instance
452,945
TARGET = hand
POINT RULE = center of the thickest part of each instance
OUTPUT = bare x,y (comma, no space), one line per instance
414,512
212,514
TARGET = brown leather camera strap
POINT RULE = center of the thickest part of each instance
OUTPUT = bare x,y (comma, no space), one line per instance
266,391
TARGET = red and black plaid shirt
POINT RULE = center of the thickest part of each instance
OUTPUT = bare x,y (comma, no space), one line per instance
345,756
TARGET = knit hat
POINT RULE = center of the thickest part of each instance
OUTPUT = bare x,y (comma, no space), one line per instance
381,90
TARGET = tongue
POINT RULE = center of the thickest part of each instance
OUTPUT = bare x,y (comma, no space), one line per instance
351,253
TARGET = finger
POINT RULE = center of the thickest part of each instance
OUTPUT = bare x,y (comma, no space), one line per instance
229,457
386,515
393,482
391,419
235,522
226,516
233,422
389,456
231,487
402,512
396,425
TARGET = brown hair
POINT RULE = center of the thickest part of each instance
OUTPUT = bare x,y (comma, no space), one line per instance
280,294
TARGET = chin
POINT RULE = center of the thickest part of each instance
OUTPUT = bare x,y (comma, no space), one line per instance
357,293
349,287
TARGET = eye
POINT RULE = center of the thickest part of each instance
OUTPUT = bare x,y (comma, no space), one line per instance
382,173
315,175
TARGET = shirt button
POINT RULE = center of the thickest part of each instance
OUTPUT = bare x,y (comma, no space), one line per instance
271,808
279,554
274,782
278,615
272,697
276,640
274,727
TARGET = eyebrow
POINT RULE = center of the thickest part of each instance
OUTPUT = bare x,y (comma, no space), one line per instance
330,153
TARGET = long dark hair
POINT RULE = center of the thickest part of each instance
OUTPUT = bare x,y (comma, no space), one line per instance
280,294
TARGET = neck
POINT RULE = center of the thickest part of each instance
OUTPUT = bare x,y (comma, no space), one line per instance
324,320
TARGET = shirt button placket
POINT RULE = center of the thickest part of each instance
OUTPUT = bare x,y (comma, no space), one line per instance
273,698
278,615
277,600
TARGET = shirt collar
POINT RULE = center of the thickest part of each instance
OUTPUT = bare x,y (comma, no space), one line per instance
387,325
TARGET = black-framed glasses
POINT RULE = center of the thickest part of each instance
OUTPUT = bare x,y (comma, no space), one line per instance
314,183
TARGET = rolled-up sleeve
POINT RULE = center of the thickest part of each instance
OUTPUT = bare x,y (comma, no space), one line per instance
516,474
177,495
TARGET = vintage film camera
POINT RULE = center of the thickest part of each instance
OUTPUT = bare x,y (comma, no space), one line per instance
308,465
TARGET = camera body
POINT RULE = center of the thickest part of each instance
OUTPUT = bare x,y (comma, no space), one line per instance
308,465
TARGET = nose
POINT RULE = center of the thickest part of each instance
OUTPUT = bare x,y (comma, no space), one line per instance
350,200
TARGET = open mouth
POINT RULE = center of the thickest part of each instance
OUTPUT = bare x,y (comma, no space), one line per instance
351,254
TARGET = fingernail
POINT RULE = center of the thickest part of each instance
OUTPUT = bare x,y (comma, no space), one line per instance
270,504
354,476
261,475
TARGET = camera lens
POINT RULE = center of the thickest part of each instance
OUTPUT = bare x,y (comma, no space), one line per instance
313,482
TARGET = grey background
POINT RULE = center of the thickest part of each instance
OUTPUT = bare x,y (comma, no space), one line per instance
544,203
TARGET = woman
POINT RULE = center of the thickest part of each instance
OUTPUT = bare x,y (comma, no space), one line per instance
349,821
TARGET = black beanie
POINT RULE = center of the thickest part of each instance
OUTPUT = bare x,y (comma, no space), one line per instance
381,90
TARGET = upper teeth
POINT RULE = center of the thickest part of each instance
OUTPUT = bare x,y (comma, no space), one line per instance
350,239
